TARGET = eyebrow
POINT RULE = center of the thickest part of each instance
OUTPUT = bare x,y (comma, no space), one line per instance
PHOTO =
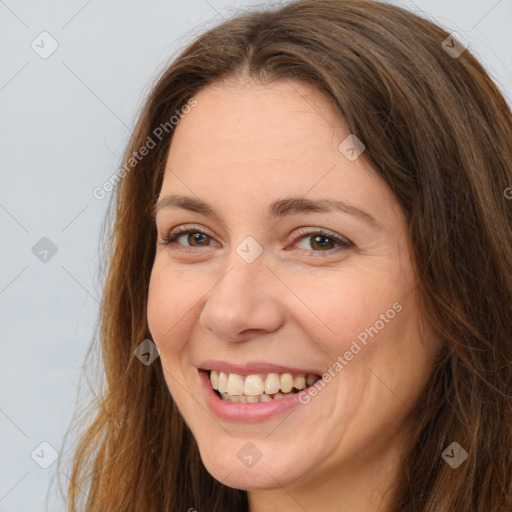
278,209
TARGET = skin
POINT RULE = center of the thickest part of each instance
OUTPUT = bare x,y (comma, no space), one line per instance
299,304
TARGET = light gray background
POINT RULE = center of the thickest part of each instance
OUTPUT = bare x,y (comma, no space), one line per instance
64,123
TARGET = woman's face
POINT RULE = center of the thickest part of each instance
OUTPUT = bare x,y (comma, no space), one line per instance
269,289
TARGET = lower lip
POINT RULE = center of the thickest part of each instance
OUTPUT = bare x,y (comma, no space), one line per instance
254,413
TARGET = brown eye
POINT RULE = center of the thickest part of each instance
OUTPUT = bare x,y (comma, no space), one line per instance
320,241
194,238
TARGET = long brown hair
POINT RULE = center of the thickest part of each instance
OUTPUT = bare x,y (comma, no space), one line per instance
439,132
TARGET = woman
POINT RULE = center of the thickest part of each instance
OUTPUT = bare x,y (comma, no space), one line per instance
308,298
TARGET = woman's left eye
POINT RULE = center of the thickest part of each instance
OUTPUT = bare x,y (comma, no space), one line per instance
318,241
325,241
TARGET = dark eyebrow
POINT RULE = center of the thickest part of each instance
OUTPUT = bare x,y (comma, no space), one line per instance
278,209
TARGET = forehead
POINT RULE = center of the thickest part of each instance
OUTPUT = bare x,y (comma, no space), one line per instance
265,142
247,116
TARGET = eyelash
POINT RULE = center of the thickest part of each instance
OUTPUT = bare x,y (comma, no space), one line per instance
343,243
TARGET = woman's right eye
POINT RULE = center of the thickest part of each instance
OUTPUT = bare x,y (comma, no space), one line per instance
192,237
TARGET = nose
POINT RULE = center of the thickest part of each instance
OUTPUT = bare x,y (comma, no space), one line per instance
244,302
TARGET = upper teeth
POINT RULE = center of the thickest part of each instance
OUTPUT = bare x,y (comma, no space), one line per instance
257,384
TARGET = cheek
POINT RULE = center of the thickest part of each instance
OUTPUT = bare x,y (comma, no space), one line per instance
157,305
166,310
167,322
344,304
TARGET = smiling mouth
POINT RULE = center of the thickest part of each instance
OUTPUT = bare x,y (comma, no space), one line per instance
256,388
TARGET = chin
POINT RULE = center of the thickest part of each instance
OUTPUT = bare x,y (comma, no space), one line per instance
244,467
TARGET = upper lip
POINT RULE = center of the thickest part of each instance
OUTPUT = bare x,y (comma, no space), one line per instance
251,368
